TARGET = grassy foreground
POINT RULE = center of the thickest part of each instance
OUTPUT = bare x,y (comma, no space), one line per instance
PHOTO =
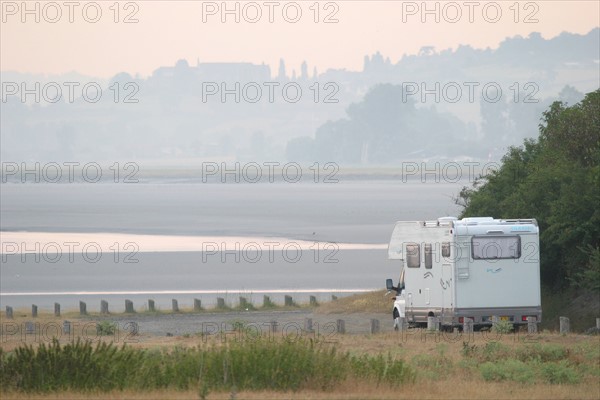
415,364
259,363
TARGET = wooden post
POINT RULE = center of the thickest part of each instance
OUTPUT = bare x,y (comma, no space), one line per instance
313,301
129,306
67,327
341,326
374,326
82,308
598,323
308,324
33,311
267,301
56,310
273,326
564,325
9,312
151,307
531,325
197,305
243,303
104,307
175,305
400,324
220,302
468,325
494,321
289,301
433,324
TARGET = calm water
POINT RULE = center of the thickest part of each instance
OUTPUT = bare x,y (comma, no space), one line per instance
355,212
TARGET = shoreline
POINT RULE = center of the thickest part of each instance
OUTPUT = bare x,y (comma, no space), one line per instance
14,242
22,302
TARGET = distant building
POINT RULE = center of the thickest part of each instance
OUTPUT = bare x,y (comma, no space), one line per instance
216,72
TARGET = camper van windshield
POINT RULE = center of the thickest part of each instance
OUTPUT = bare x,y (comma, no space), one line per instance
495,247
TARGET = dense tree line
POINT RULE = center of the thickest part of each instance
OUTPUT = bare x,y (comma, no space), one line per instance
386,126
555,179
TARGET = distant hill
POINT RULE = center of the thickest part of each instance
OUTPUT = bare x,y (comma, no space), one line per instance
446,101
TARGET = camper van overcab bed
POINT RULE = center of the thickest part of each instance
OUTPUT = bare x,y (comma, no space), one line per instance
470,268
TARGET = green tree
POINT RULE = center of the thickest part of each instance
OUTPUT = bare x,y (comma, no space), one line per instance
556,180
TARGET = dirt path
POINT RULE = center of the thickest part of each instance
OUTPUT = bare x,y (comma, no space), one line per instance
287,322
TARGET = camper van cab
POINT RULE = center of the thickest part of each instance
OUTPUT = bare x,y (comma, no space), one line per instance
470,268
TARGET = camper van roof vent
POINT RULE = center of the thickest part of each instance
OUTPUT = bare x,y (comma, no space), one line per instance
477,220
431,223
446,221
521,221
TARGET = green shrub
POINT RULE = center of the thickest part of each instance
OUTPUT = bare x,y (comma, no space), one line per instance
105,328
258,364
507,370
77,366
503,327
542,352
559,373
493,351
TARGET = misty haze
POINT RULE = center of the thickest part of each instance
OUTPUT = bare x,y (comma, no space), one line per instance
289,199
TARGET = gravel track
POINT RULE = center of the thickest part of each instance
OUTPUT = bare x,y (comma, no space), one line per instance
289,322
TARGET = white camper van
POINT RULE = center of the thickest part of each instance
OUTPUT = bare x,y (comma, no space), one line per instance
469,268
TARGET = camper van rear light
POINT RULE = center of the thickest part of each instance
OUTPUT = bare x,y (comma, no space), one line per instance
524,318
461,320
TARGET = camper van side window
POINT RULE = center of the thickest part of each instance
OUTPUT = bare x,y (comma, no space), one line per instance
446,249
428,256
413,255
495,247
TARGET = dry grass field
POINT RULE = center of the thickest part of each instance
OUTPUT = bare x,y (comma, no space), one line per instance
483,365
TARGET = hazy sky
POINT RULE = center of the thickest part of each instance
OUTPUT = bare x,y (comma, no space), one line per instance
167,31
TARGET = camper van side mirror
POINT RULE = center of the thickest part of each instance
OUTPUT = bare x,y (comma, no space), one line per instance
389,284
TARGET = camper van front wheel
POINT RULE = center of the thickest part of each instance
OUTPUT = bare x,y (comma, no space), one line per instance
396,320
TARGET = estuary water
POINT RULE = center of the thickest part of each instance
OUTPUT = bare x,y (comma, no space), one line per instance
163,240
